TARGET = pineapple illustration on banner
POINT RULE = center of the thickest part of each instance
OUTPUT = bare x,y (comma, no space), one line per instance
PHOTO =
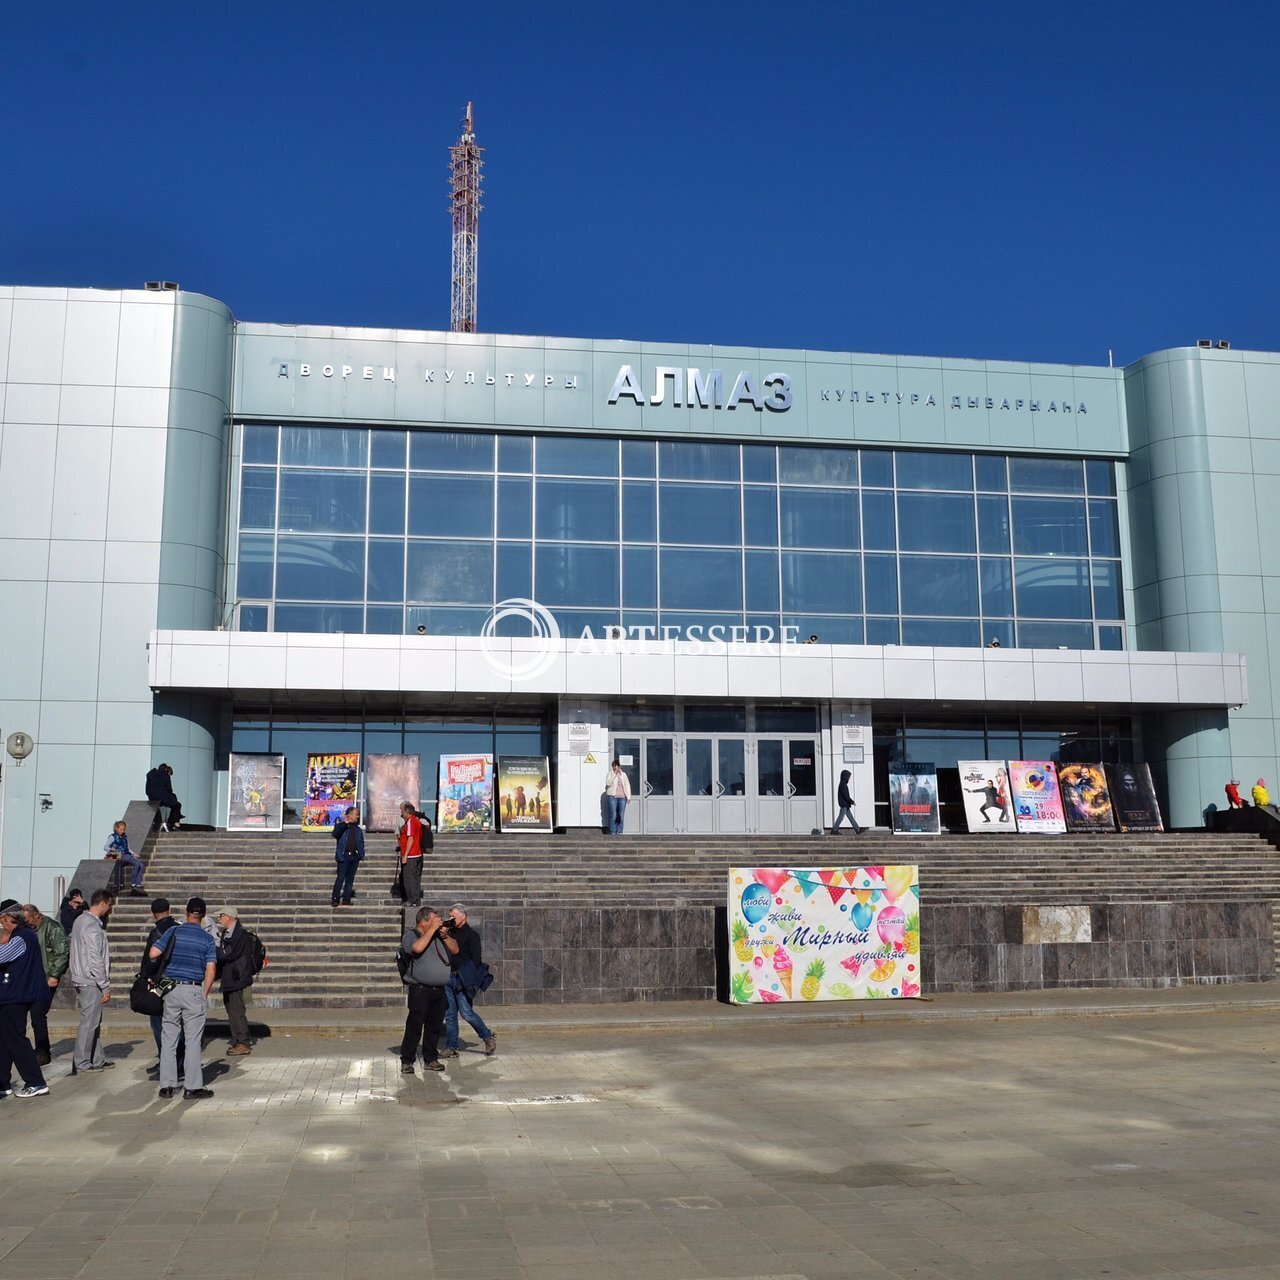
823,933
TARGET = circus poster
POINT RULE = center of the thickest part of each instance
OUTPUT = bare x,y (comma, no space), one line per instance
333,782
1086,797
1037,803
829,933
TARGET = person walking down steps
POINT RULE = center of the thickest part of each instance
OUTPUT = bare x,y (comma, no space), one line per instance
348,853
845,802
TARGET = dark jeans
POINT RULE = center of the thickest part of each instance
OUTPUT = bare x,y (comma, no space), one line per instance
426,1019
345,881
411,878
16,1050
40,1020
846,811
237,1019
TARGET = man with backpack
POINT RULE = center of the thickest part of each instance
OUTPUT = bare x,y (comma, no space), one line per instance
348,853
426,953
237,967
161,922
414,838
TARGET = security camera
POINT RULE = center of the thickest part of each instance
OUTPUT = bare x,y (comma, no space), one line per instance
422,631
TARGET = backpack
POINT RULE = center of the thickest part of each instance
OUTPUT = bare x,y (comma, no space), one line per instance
257,952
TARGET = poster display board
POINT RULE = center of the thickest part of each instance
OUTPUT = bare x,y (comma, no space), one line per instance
987,807
389,781
1037,803
913,799
333,783
1133,796
464,800
255,792
524,793
1086,797
823,933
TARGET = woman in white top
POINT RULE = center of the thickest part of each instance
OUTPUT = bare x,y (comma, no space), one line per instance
617,788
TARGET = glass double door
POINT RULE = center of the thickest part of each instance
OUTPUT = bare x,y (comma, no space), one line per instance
719,784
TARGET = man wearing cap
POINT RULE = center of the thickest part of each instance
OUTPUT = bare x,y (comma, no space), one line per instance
55,955
161,922
90,971
457,999
192,964
235,974
22,983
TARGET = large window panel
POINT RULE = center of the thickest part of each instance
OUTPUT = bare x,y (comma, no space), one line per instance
442,572
882,583
1055,635
699,513
515,453
690,579
577,456
828,628
1101,478
639,577
946,585
760,463
762,581
258,498
260,443
993,524
387,449
444,620
992,473
384,620
324,446
640,459
997,588
639,512
936,522
386,570
695,460
515,508
879,522
576,575
322,501
515,571
386,503
323,618
451,506
760,516
877,469
821,582
1052,589
451,451
951,633
1049,527
577,510
1046,475
934,470
803,464
1108,591
256,566
818,518
1104,528
314,568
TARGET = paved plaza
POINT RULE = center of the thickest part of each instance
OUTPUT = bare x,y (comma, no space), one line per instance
961,1147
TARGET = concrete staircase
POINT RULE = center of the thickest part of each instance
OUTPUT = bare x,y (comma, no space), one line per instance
281,884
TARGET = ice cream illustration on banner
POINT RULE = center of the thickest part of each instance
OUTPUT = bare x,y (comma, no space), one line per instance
782,967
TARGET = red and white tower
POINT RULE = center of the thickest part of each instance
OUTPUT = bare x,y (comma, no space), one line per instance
464,185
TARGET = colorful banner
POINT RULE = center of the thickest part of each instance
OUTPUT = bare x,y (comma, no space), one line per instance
524,793
464,801
1133,795
255,792
1037,805
987,807
830,933
389,782
913,799
1086,798
333,782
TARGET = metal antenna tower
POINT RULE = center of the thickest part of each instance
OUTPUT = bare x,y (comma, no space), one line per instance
464,186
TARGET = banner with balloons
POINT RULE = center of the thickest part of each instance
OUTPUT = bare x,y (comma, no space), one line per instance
823,933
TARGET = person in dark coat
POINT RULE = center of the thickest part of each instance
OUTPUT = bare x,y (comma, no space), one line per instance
71,906
161,922
348,853
845,801
160,792
22,983
235,975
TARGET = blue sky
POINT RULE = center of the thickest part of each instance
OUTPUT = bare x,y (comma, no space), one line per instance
1011,181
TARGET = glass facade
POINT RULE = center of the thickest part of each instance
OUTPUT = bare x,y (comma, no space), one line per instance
386,531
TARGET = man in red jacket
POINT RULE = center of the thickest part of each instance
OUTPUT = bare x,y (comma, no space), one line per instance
414,835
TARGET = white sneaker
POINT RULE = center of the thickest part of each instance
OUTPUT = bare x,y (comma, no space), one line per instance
164,826
32,1091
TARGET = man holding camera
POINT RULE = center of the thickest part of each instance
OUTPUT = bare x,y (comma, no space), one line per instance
428,951
458,996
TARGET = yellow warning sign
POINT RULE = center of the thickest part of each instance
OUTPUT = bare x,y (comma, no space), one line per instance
590,758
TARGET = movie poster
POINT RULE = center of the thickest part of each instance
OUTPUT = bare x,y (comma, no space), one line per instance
823,933
333,782
464,801
913,799
987,807
255,792
389,781
524,793
1037,805
1134,797
1086,798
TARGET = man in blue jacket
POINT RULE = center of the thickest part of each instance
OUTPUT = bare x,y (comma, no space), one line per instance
348,853
22,983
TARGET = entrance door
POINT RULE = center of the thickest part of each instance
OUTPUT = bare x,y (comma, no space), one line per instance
731,785
771,786
648,760
786,785
802,785
715,784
